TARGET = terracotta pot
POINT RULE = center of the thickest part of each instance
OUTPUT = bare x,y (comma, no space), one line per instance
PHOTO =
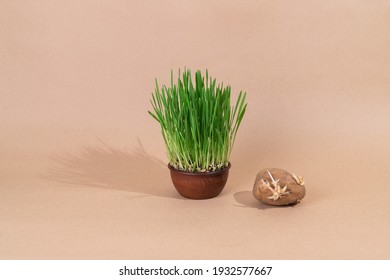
199,185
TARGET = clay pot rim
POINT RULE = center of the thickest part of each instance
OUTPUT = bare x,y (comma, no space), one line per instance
199,173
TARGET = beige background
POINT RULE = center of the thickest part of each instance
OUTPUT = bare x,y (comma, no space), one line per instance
82,170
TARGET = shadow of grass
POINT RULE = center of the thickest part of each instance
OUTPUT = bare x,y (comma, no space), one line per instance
111,168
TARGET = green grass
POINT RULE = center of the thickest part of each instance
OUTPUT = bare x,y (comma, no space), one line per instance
198,124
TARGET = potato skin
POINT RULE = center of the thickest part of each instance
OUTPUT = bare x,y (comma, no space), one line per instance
296,191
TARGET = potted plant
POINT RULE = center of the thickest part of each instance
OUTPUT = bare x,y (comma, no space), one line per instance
199,128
